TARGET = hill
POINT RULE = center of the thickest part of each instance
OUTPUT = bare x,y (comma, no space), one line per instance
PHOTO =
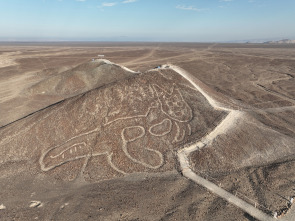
58,85
134,125
109,151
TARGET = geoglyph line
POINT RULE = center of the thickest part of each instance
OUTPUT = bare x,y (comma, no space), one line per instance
69,148
67,153
164,132
227,123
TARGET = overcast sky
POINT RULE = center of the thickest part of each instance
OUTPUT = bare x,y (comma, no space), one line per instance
147,20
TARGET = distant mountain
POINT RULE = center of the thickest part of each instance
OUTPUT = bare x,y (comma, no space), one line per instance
283,41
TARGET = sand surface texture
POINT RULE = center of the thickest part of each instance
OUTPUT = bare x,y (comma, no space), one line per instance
209,132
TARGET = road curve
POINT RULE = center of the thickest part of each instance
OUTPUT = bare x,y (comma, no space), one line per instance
248,208
183,154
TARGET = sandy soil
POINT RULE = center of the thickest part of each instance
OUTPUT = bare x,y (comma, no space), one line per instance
257,75
251,78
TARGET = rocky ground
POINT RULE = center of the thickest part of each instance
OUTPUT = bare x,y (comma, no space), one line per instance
107,150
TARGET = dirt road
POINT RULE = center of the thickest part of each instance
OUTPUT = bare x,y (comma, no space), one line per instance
226,124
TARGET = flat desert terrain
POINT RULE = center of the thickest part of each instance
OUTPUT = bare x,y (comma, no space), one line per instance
147,131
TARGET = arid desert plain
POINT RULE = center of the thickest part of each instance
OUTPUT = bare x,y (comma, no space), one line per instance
147,131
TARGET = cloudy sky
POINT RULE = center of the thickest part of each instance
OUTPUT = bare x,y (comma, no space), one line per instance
146,20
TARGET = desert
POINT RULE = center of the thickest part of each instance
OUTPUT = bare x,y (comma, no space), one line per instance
147,131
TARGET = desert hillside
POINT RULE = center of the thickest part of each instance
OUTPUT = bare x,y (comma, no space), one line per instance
46,87
94,139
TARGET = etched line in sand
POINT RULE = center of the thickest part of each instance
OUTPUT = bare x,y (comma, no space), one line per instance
131,117
72,149
173,105
189,129
179,136
174,111
113,165
126,141
158,126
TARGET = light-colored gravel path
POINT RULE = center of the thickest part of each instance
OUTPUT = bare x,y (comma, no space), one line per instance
226,124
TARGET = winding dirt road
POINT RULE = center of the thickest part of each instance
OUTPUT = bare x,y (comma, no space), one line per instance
226,124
